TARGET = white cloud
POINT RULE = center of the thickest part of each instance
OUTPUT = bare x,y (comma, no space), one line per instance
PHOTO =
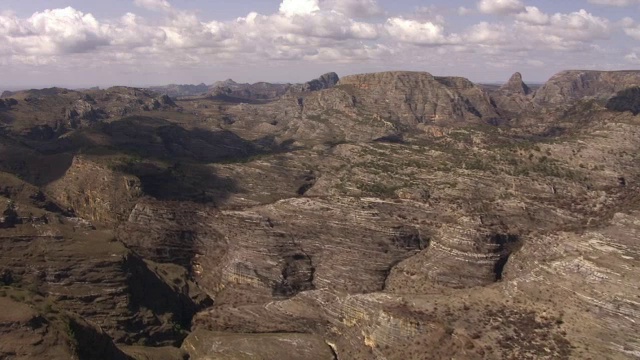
533,15
573,31
299,7
154,5
53,32
354,8
132,31
487,34
415,32
633,58
630,28
500,7
580,25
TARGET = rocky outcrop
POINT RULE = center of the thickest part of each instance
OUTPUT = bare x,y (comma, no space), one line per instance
281,254
513,98
515,85
172,232
409,98
96,192
569,86
162,102
481,254
326,81
81,113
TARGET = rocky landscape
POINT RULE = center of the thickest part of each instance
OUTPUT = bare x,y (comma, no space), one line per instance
395,215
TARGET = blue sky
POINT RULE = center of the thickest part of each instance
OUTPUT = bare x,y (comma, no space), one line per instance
77,43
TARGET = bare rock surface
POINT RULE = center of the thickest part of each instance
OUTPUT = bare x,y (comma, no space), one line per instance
209,345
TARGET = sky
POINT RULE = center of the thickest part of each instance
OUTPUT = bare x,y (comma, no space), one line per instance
79,43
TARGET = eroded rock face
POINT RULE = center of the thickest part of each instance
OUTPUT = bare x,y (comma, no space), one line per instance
513,98
282,251
96,192
81,113
474,258
325,81
172,232
207,345
515,85
569,86
411,98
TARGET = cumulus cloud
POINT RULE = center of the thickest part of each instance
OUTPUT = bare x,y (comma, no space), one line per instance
416,32
580,25
500,7
299,7
487,34
533,15
572,31
53,32
631,28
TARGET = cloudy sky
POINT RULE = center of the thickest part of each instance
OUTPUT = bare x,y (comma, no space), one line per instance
77,43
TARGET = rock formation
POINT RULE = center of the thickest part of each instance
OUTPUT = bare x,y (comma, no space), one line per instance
569,86
396,215
515,85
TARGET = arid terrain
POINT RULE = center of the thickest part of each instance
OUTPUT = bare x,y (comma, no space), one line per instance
394,215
